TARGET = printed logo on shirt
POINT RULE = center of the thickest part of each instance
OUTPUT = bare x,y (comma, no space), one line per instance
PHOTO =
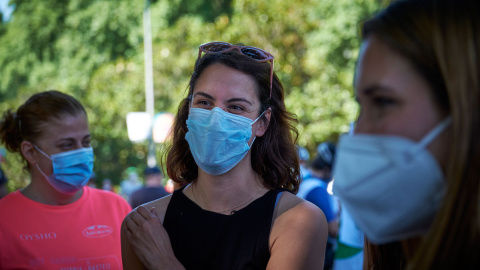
37,262
38,236
74,263
96,231
103,266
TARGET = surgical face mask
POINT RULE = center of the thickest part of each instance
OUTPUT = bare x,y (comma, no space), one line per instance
392,186
71,170
218,140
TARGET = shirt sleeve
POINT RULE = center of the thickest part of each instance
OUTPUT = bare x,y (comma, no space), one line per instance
320,197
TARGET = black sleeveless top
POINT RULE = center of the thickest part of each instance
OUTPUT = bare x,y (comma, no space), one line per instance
207,240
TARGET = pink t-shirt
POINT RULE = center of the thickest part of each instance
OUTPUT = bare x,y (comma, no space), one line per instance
82,235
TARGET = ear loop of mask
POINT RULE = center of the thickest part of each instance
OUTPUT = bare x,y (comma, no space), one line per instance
43,153
40,170
435,132
250,146
36,165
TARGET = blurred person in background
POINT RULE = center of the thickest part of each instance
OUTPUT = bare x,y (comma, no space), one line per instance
92,182
409,175
233,142
314,190
152,190
130,184
56,221
303,158
350,241
108,186
3,176
349,251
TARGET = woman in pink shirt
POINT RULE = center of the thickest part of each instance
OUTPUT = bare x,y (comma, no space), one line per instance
56,222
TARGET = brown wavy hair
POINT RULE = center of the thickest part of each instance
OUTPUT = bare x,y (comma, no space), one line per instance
274,156
441,39
28,122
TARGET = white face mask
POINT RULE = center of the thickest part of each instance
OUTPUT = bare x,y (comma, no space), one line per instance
392,186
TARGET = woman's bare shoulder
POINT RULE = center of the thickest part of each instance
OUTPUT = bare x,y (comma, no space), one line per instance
298,235
294,212
159,204
291,205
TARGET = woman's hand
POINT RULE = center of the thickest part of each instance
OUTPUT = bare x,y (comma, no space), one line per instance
150,240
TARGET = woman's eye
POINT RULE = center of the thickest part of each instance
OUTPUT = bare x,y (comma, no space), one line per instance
86,144
236,108
383,101
202,103
66,146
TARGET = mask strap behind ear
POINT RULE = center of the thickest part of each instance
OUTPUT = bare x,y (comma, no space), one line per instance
41,151
269,109
259,117
435,132
256,121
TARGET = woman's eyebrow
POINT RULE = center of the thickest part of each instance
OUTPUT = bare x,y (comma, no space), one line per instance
370,90
376,88
204,94
64,140
239,99
72,139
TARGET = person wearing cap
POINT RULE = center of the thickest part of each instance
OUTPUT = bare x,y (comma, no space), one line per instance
152,190
303,158
314,190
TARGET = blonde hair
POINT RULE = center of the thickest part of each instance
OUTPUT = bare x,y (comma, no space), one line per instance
441,38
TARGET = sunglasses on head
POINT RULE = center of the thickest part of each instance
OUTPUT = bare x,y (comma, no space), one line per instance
252,52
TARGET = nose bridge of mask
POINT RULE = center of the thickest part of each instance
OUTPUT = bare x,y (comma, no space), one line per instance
220,113
215,116
437,130
77,156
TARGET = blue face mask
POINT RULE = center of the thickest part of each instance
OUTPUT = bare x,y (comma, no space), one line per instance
218,140
71,170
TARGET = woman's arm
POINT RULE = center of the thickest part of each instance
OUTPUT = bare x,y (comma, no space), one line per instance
299,238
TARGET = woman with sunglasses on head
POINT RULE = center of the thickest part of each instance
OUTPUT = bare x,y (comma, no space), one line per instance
56,222
409,175
233,143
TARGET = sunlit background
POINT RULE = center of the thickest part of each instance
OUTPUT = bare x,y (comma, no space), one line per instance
94,50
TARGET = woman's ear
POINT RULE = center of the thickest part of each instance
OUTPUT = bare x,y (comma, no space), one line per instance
28,152
263,123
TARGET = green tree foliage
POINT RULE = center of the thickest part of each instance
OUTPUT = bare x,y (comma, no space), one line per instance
94,51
